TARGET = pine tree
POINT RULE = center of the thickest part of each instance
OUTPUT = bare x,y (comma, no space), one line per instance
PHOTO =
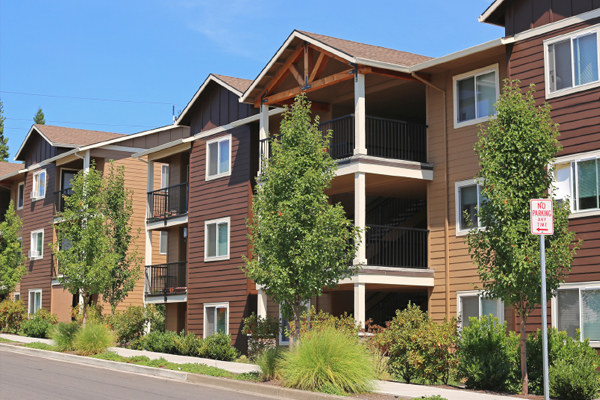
39,117
3,140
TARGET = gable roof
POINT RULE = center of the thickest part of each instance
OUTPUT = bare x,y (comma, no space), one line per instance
494,14
234,85
7,168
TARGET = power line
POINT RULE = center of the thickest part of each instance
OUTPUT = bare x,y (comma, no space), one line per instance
82,123
89,98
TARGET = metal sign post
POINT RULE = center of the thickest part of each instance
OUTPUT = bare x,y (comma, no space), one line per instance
542,223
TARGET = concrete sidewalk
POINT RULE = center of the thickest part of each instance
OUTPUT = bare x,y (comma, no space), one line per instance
383,387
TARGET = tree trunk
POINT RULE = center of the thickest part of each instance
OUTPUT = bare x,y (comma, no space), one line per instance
297,325
84,308
524,377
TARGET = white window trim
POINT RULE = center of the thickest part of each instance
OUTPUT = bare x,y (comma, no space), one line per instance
15,294
217,221
162,175
574,89
216,305
160,242
36,198
221,175
41,256
457,186
554,304
471,293
29,304
18,188
491,68
61,183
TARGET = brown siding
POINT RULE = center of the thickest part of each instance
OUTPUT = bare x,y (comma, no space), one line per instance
219,281
38,149
156,139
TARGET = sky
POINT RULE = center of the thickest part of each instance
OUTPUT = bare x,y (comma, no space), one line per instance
121,65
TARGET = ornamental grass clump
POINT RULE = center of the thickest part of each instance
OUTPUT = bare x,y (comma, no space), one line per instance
329,361
269,362
93,339
64,335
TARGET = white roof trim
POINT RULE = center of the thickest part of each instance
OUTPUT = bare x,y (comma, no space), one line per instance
490,10
381,64
210,78
15,173
127,137
33,127
459,54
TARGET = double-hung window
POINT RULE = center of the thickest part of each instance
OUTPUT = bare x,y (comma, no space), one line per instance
216,318
469,198
35,300
571,62
216,242
21,196
218,157
578,308
39,185
164,176
579,180
475,94
17,296
164,237
474,304
37,245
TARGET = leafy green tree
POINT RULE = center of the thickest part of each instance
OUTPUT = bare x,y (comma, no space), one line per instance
118,206
3,140
84,247
515,152
300,243
38,118
12,259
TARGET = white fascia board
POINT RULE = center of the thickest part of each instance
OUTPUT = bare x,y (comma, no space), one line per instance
160,148
381,64
8,176
127,137
490,10
460,54
293,35
563,23
27,138
51,160
210,78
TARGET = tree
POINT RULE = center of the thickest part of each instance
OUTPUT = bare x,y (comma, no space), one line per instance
38,118
84,248
3,140
300,243
12,260
515,152
118,206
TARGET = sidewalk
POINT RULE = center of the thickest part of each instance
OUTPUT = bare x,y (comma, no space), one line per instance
390,388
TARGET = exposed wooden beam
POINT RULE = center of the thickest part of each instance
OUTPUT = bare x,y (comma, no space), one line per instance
315,105
308,63
294,70
335,57
282,73
318,68
390,74
318,84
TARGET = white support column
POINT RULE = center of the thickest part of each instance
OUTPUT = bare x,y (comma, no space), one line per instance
263,129
149,188
360,116
261,304
360,214
360,304
86,162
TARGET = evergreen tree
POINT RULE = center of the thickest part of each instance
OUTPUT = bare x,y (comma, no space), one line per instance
38,118
3,140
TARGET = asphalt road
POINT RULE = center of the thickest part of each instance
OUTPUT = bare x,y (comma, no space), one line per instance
24,377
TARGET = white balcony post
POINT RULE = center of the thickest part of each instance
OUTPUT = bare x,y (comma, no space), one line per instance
360,215
261,304
360,304
263,131
149,188
360,117
86,162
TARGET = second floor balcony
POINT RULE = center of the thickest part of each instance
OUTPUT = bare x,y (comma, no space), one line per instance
167,203
390,246
60,199
166,279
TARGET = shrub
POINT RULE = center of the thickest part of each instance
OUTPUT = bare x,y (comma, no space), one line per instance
269,362
12,314
94,338
188,345
263,333
64,335
329,360
312,322
218,347
155,313
418,347
489,359
39,324
94,313
574,379
161,342
560,347
129,324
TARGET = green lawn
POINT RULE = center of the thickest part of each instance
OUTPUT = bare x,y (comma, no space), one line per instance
2,340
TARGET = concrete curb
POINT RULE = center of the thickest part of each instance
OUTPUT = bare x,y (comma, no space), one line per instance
223,383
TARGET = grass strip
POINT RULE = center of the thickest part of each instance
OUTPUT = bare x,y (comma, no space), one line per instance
40,346
2,340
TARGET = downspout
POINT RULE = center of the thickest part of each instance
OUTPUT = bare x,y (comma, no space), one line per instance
446,216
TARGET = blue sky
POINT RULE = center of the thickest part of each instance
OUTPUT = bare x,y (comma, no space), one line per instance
151,54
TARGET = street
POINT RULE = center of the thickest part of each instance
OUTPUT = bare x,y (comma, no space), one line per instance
26,377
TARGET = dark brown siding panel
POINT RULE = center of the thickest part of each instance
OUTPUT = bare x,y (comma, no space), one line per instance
541,12
581,6
561,9
38,149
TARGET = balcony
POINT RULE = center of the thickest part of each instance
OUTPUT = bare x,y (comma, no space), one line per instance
389,246
166,279
168,203
59,199
385,138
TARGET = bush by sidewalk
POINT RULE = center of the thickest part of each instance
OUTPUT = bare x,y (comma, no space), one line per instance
92,339
39,324
63,335
12,314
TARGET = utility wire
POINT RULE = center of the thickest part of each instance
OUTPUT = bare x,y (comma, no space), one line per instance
89,98
81,123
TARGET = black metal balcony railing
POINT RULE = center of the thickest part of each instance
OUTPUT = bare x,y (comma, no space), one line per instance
59,199
168,202
389,246
386,138
165,279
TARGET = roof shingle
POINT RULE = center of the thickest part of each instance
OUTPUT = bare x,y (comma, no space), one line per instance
236,83
8,168
75,137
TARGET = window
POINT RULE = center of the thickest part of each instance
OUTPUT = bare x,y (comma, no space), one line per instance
579,181
216,318
216,242
475,94
21,196
468,200
219,157
17,296
39,185
35,300
571,62
578,308
164,236
37,245
473,304
164,176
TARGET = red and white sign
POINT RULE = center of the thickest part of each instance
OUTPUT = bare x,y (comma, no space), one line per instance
541,217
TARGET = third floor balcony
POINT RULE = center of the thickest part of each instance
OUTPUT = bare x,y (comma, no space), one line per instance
168,203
